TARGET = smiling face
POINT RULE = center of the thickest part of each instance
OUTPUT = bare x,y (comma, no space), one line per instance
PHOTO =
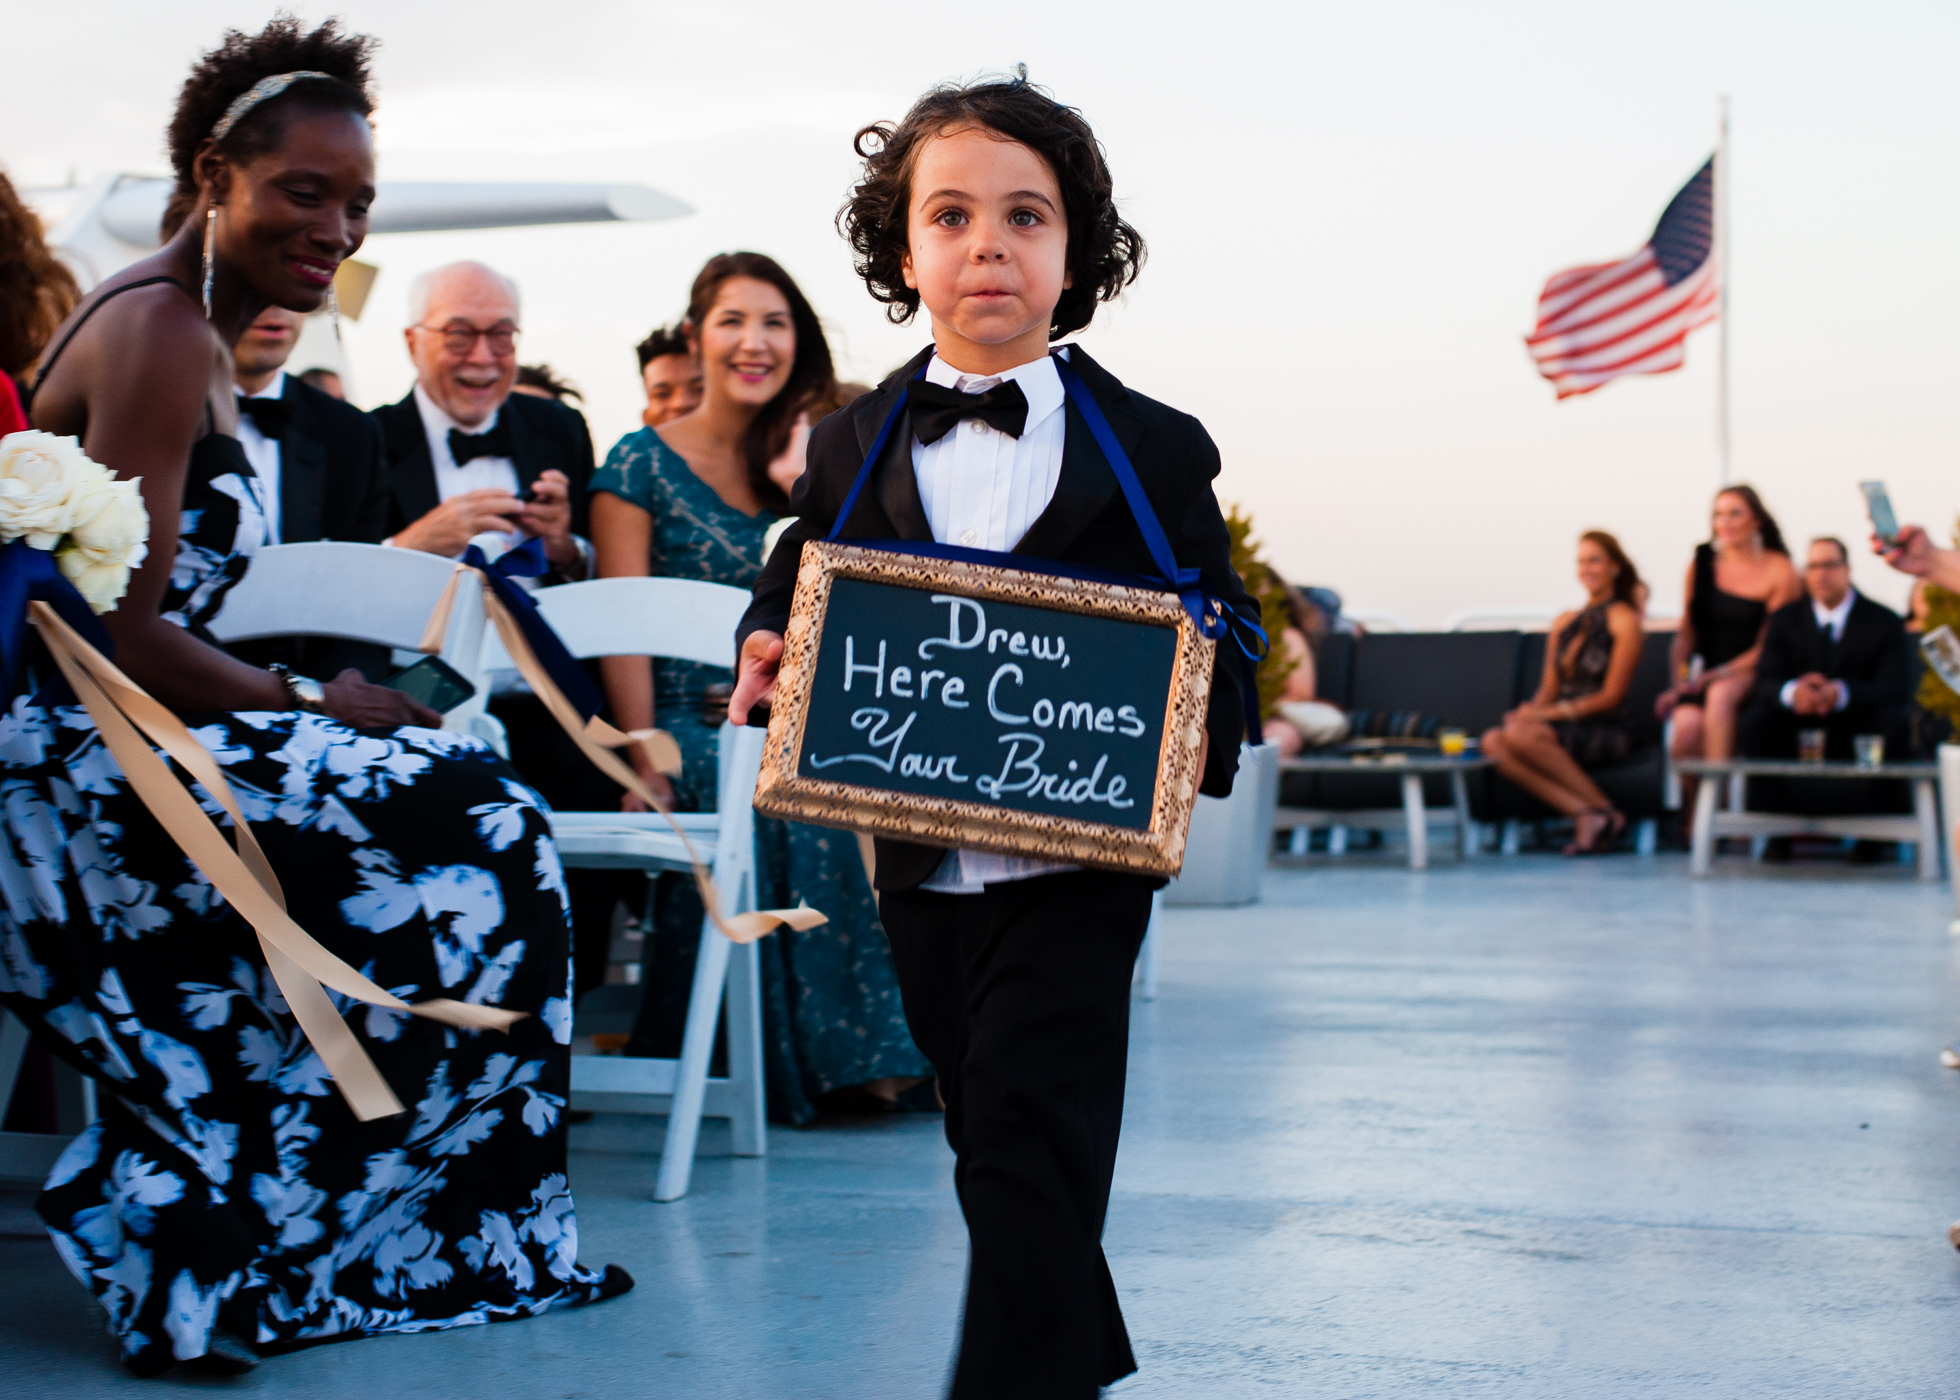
987,248
673,385
1735,525
468,374
288,218
746,343
1597,571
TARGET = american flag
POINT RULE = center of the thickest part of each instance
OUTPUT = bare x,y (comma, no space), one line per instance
1632,316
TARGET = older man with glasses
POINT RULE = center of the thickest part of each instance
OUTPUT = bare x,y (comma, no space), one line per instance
465,456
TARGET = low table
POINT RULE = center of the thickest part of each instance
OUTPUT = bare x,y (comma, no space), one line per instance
1923,826
1413,816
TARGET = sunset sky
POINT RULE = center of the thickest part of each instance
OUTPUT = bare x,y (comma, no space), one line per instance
1350,211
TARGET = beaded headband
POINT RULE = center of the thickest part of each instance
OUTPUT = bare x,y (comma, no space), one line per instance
264,90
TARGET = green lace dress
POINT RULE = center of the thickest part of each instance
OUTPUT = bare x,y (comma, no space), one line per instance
831,1010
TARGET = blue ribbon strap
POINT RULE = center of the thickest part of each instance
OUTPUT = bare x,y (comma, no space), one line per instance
528,561
1212,617
30,575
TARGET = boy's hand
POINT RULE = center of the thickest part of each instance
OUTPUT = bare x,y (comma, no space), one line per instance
755,674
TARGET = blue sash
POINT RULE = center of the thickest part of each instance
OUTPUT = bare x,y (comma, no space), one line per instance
27,575
1212,617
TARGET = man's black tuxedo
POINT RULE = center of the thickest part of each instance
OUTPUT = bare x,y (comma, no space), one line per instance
333,485
1874,658
1087,522
544,436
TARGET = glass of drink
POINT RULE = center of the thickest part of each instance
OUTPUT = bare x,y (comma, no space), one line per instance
1452,742
1870,749
1810,745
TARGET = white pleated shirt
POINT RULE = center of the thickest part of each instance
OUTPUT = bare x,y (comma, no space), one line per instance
983,489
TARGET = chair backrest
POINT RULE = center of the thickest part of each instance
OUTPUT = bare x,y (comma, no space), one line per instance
332,588
360,592
681,619
1465,679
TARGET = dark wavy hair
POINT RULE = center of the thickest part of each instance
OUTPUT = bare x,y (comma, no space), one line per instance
1765,522
660,343
812,375
1626,584
37,291
228,71
1104,252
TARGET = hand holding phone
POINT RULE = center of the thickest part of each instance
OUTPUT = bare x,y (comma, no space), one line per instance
1879,503
433,682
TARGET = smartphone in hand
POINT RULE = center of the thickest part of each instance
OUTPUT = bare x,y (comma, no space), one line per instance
1884,523
433,682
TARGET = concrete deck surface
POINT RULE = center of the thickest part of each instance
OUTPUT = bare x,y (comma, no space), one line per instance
1524,1127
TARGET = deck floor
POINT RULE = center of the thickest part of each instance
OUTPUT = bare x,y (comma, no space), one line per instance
1524,1127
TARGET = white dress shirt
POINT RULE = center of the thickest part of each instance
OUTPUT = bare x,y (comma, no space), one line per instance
1829,620
983,489
479,473
263,453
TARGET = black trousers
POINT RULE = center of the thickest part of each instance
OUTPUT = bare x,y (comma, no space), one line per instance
1020,997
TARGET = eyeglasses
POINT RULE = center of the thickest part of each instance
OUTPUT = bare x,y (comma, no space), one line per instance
1828,564
459,338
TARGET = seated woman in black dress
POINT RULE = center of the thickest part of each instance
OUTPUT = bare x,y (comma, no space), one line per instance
1737,579
227,1198
1574,723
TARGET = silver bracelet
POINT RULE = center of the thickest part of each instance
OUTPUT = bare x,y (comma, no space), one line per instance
305,692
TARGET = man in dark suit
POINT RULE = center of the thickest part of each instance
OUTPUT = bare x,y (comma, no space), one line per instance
467,457
1833,660
1016,973
322,475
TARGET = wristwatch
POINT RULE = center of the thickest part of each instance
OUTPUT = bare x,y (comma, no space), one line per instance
305,692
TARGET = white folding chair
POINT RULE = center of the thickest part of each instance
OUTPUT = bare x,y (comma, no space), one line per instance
361,593
683,620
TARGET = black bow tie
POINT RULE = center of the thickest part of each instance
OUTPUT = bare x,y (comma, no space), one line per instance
465,446
273,416
937,410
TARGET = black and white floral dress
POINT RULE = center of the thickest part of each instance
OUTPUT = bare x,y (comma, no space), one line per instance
225,1182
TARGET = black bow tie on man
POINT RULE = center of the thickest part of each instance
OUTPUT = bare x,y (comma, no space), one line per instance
272,416
466,446
937,410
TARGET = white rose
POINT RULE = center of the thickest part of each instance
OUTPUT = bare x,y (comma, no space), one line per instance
109,539
40,478
101,585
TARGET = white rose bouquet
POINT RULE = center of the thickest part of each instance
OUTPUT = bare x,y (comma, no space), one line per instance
54,497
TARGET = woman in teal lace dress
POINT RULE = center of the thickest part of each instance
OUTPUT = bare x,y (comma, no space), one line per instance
694,500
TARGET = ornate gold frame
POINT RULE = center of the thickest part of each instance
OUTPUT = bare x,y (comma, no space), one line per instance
1158,849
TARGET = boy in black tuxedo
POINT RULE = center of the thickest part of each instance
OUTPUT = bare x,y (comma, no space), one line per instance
992,205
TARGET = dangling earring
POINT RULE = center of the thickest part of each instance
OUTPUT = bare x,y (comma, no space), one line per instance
210,258
333,306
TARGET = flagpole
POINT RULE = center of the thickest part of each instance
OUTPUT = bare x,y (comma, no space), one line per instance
1722,273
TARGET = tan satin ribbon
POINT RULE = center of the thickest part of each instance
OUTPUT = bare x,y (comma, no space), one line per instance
243,876
596,739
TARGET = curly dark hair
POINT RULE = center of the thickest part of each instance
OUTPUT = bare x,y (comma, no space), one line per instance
37,291
549,381
660,343
1104,252
812,374
228,71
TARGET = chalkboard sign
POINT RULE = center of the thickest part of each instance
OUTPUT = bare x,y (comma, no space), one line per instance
960,704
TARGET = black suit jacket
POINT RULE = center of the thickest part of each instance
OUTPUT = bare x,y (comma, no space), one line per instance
544,436
333,485
1087,522
1873,658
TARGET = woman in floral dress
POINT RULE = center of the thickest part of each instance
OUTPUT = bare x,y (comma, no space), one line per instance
227,1198
694,500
